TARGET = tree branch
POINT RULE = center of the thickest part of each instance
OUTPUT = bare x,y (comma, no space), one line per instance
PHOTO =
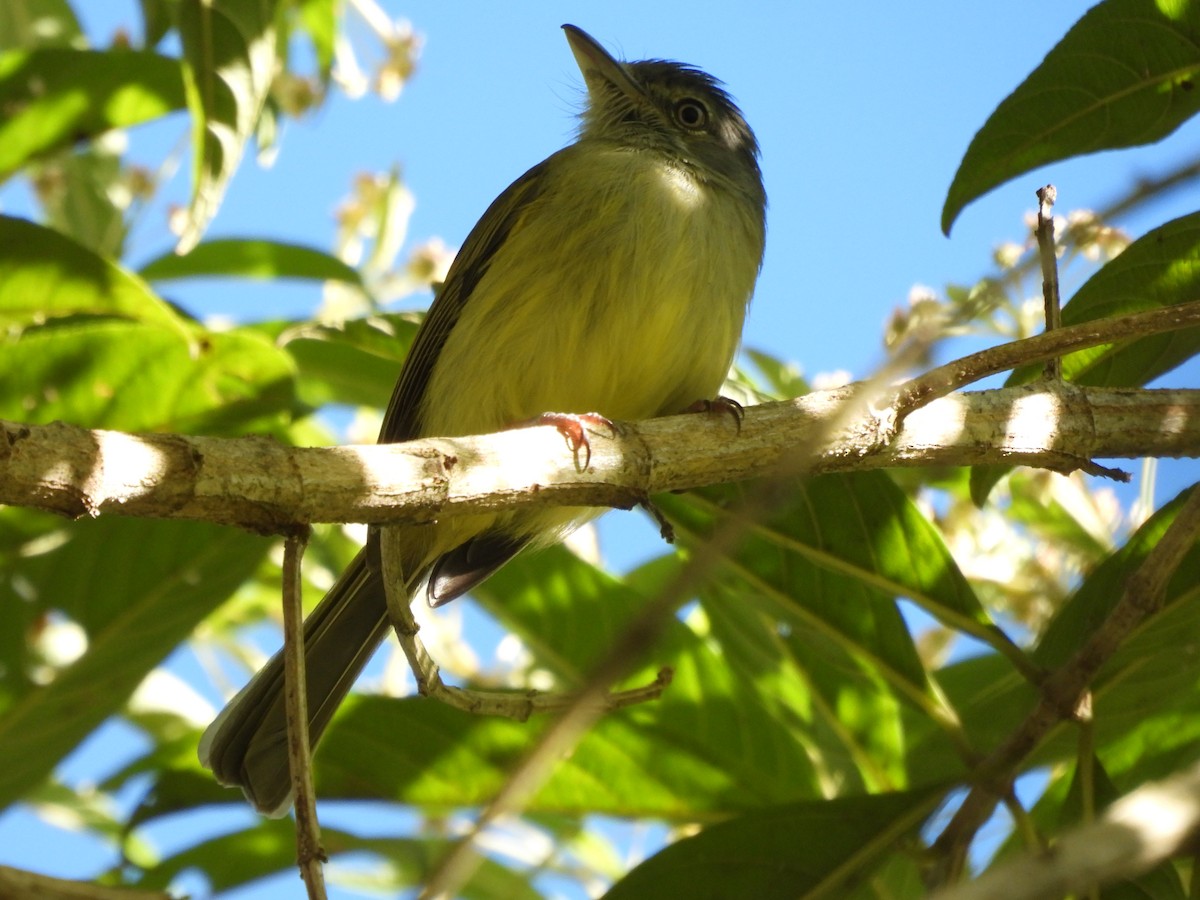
264,486
953,376
32,886
1142,829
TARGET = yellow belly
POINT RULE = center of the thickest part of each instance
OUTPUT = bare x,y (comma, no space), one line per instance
622,292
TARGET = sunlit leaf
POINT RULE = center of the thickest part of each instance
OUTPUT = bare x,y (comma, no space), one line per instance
357,361
54,97
1125,74
269,846
835,559
44,276
319,19
229,54
136,588
82,207
796,850
136,377
250,258
571,614
39,23
1103,588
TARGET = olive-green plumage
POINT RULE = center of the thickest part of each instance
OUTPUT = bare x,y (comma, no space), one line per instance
613,278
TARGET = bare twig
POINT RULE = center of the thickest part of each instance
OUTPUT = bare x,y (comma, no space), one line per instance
1148,189
19,883
1047,254
309,854
959,373
1063,690
1143,828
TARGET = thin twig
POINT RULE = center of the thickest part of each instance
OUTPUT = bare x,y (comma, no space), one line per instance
1063,690
957,374
1146,190
1143,828
1047,254
309,854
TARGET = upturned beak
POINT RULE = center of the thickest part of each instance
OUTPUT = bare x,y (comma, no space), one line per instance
598,67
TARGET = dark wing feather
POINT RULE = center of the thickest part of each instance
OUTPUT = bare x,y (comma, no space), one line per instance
468,564
402,422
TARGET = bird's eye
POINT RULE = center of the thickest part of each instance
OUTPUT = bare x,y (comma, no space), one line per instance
690,113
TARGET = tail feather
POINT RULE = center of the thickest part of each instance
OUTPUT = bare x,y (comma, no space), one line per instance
246,745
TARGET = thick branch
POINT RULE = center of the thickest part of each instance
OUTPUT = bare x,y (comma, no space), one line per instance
261,485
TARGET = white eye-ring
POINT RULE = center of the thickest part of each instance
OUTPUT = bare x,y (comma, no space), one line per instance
690,113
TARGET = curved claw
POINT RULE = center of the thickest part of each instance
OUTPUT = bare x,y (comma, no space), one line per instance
721,404
571,427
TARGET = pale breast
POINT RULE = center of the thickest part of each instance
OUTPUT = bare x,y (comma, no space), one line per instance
621,290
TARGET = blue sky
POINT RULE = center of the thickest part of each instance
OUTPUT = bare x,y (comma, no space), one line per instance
863,112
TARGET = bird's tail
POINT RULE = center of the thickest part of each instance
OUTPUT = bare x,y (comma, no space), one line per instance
246,745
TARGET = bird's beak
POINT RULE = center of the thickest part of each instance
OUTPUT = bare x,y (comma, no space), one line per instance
598,67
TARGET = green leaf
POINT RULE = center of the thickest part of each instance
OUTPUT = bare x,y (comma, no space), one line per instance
1124,75
845,719
357,361
1145,699
1090,605
42,23
835,559
569,614
784,380
250,258
1158,270
640,762
82,207
708,747
45,276
157,20
229,54
136,377
793,850
713,745
55,97
991,700
319,19
137,588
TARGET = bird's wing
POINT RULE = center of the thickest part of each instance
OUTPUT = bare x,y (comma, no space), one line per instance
402,421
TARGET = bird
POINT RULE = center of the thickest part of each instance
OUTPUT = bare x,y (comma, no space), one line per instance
609,282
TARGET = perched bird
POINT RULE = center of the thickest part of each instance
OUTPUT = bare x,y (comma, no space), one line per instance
610,280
